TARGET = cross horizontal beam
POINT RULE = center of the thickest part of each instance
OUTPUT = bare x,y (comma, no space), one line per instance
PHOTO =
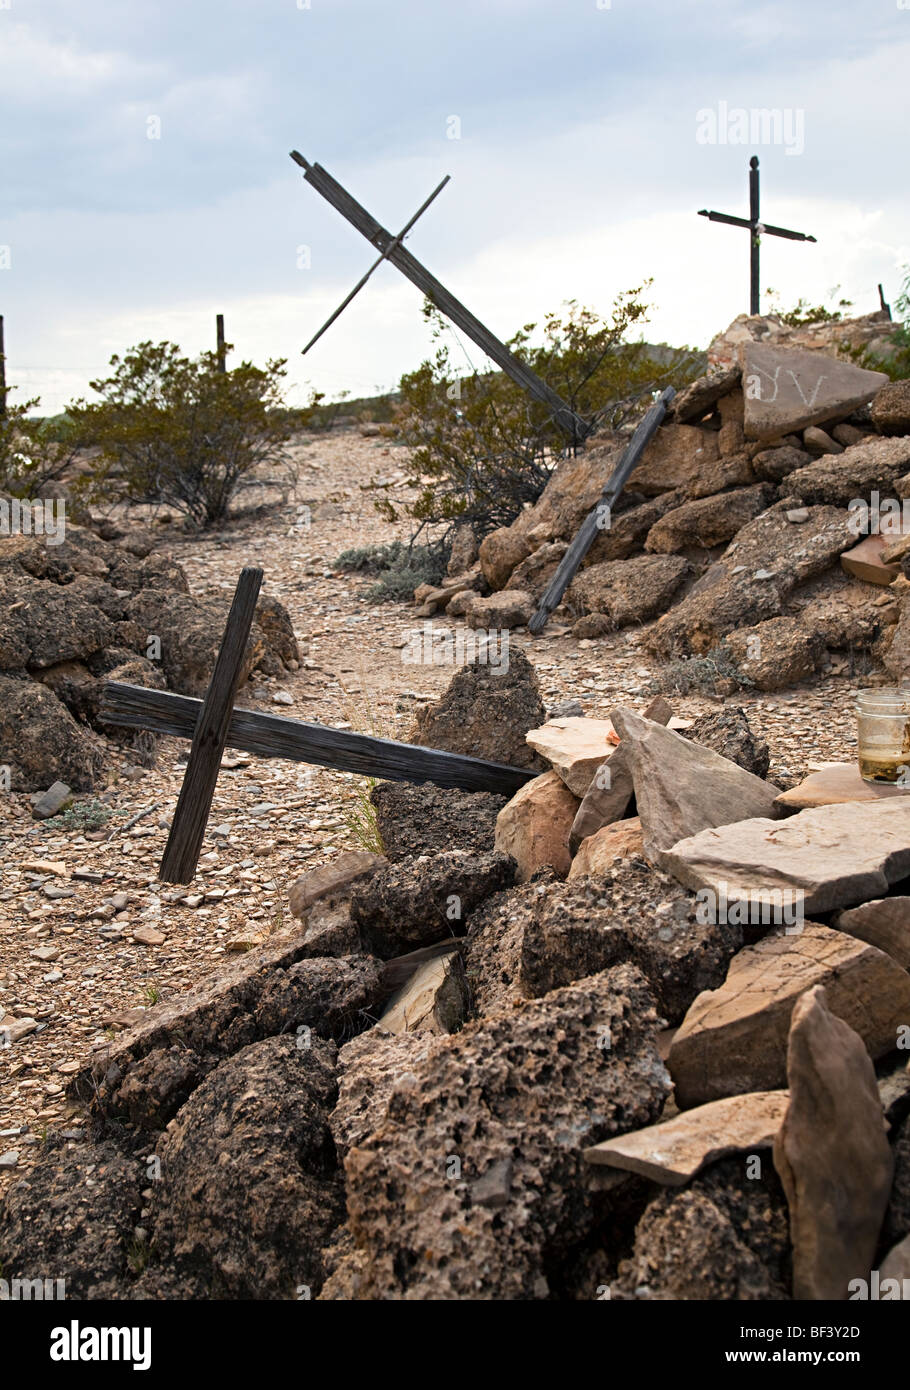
275,736
764,228
342,201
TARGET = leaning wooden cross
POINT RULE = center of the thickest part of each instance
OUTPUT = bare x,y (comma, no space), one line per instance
214,724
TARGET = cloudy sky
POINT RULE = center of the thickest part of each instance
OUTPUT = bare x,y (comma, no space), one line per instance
146,183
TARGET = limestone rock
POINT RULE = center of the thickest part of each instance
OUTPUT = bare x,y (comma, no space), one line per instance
627,529
434,1000
486,711
753,578
464,550
597,852
776,653
734,1039
832,1153
787,389
332,881
708,521
628,591
890,410
672,1152
778,463
534,826
500,552
575,748
680,787
824,858
534,573
818,442
873,466
506,609
673,458
493,1097
695,400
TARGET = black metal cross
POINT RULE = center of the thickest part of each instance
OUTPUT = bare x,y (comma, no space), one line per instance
756,227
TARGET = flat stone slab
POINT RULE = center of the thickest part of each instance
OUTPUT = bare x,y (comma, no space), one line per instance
332,880
575,748
835,783
682,787
673,1152
734,1039
788,389
434,1000
816,861
865,561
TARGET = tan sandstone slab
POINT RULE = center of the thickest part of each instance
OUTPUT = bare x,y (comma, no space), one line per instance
434,1000
673,1152
787,389
611,788
682,787
534,826
734,1039
834,783
825,858
575,747
865,561
598,852
832,1152
333,879
883,922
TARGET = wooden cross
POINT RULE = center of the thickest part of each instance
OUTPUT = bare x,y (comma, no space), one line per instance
214,724
391,249
757,228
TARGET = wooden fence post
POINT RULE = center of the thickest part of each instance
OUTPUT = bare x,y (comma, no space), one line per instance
219,334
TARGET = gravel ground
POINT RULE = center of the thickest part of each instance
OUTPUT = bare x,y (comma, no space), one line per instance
88,933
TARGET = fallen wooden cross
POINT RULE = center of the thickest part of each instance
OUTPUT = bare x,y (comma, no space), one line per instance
213,724
392,249
594,522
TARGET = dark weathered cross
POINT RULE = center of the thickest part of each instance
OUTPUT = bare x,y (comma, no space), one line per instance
391,249
213,724
757,229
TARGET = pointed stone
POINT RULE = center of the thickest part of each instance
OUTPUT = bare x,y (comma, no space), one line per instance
832,1152
434,1000
611,788
829,857
534,826
681,787
883,922
734,1039
673,1152
788,389
575,748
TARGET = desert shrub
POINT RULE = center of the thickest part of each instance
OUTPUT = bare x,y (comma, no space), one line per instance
177,431
34,452
397,568
700,674
481,448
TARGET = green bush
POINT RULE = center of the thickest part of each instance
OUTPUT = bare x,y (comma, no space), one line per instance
398,568
34,452
177,431
482,447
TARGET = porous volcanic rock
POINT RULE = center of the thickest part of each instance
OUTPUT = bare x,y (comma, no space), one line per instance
250,1187
424,899
41,741
486,712
425,819
728,733
462,1192
545,934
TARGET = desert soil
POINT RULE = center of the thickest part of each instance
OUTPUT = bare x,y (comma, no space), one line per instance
71,962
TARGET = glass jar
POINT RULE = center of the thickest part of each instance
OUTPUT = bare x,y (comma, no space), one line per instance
883,735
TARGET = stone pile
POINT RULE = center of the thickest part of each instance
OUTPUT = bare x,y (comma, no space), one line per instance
88,610
511,1060
736,535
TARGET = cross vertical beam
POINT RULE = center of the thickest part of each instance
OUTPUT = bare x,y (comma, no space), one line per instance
184,842
757,229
